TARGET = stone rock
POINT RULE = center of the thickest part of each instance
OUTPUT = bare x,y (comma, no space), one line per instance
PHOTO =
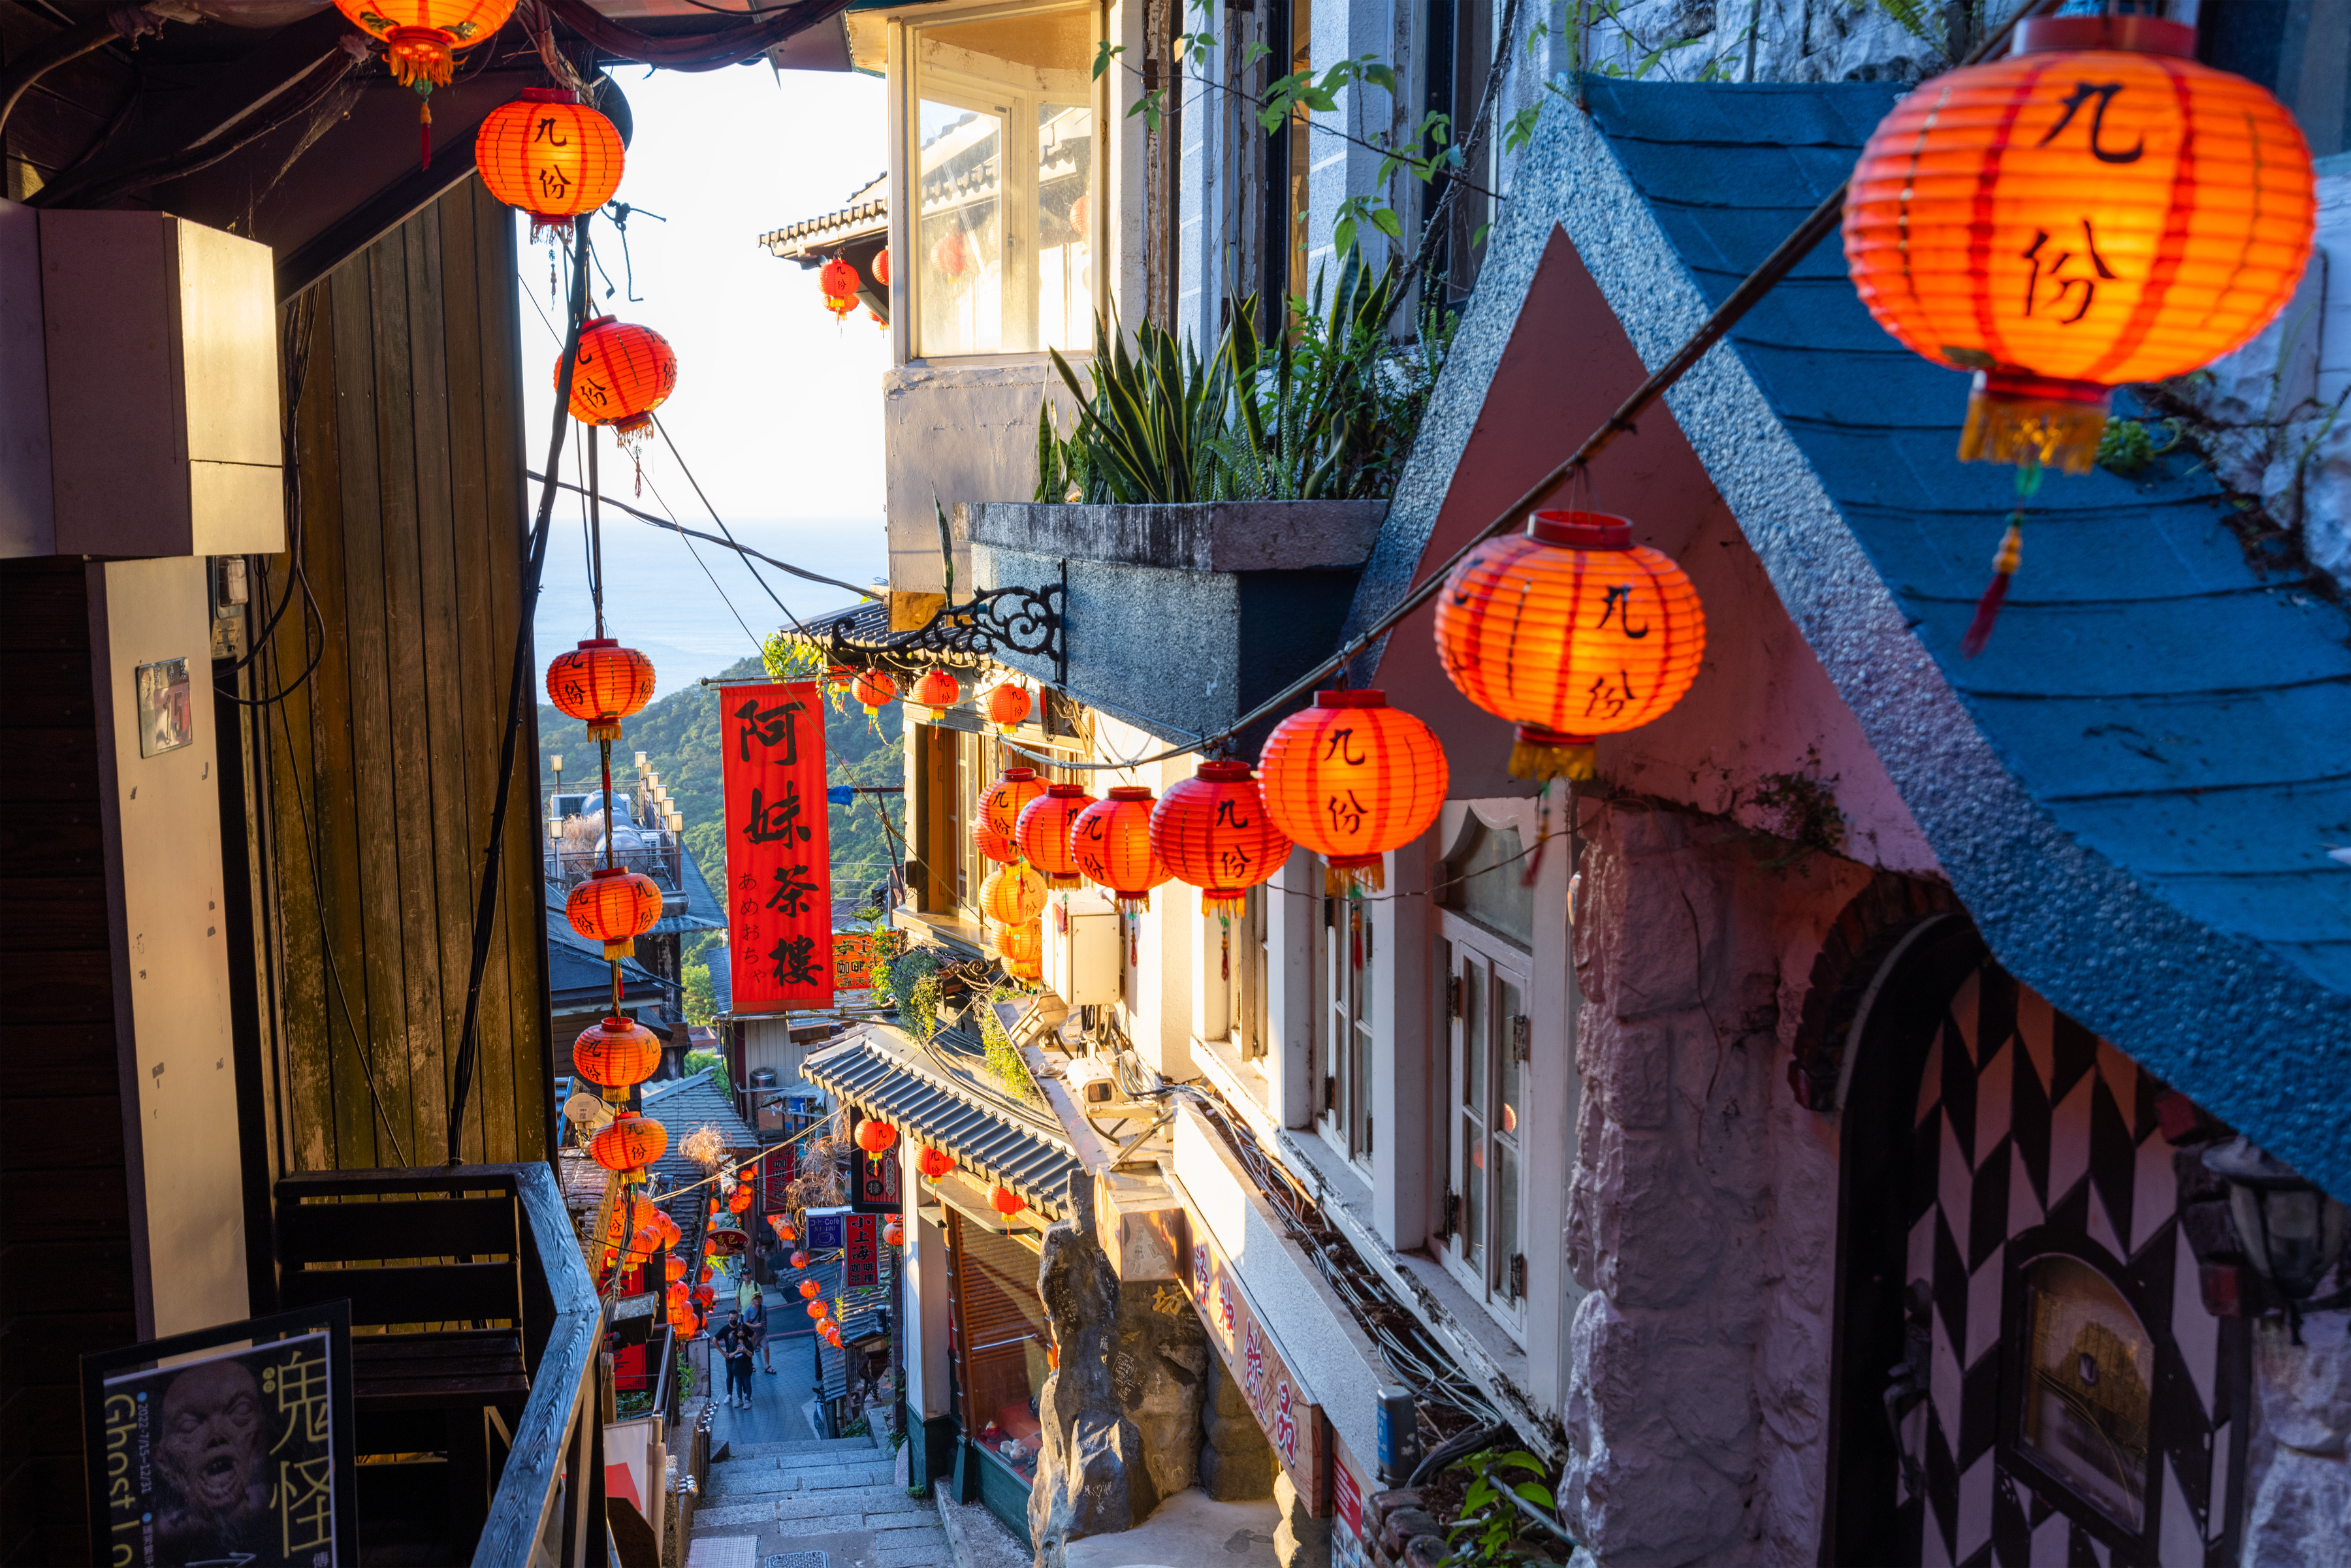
1300,1540
2301,1508
1425,1551
1241,1477
1236,1464
1093,1476
1158,1371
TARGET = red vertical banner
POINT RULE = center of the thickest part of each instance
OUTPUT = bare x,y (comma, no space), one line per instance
778,863
860,1255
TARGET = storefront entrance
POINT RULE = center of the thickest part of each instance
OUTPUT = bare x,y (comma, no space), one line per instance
2027,1373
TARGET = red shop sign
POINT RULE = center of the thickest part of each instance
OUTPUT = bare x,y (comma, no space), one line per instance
779,863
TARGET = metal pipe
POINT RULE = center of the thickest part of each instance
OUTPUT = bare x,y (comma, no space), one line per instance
57,48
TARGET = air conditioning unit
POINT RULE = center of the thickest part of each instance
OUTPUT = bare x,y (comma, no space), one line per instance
139,399
1085,949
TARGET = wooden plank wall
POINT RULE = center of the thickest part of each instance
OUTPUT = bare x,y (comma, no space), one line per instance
66,1283
383,765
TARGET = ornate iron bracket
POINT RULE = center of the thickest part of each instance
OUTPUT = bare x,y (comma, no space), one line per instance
989,625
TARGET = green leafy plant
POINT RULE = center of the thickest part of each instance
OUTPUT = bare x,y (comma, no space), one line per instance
913,980
1490,1526
712,1063
2127,445
1004,1058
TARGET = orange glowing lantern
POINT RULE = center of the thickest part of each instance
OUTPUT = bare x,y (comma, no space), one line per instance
1012,895
629,1144
1007,1202
1570,630
882,266
1111,842
893,1231
1021,945
876,1138
421,39
937,691
1042,832
816,1309
1009,705
549,155
1212,832
599,682
994,846
799,1259
2094,209
623,374
876,691
933,1164
1001,803
810,1290
839,282
1351,779
674,1267
740,1200
615,906
612,1055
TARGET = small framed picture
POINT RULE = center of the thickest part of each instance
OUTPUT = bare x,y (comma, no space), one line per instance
165,722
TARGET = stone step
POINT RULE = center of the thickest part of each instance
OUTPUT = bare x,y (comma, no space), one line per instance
816,1446
838,1509
750,1478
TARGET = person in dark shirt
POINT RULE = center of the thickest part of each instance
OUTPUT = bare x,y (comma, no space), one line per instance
735,1344
755,1323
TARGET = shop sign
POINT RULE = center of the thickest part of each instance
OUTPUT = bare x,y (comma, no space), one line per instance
854,954
1293,1424
872,1179
1346,1518
779,865
860,1253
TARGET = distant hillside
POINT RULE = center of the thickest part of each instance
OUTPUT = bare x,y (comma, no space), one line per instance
680,735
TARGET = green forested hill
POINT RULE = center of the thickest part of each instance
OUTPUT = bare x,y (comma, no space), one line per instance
680,736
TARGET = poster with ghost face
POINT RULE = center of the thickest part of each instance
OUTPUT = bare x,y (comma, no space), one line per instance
234,1449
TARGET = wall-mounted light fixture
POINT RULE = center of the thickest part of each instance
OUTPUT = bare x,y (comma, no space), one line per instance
2291,1232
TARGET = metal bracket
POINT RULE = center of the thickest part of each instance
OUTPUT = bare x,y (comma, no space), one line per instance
990,625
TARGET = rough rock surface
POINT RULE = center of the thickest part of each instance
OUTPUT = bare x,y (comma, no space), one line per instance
1300,1540
1091,1475
1236,1462
2300,1511
1159,1372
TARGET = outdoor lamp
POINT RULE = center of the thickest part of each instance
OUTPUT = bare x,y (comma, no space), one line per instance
2291,1232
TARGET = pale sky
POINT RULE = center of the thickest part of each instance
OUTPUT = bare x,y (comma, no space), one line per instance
777,408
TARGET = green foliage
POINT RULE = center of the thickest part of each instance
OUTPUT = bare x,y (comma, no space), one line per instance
1324,411
681,734
1486,1532
912,981
1809,815
2127,445
1004,1058
710,1061
701,1000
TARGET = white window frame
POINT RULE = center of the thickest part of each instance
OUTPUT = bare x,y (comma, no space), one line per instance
1485,963
1345,1052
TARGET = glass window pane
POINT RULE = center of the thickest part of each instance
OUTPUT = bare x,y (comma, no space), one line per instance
1511,1100
1473,1032
1505,1212
1473,1191
2089,1396
1004,252
1485,881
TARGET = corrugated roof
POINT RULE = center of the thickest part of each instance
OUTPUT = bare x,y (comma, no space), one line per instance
702,911
2133,789
874,1071
682,1105
578,973
858,220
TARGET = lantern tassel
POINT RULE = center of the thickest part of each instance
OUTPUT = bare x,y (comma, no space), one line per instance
1354,874
424,131
1547,754
2003,568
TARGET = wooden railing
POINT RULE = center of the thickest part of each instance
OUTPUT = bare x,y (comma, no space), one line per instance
473,1314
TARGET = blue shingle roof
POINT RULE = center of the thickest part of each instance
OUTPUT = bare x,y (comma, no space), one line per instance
702,910
2134,788
578,974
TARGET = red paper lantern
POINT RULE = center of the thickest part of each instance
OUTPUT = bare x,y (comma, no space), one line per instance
882,266
549,155
893,1231
810,1290
1007,706
421,37
785,1231
951,253
799,1259
1012,895
615,1054
839,282
876,1137
1042,832
740,1200
615,906
1212,832
623,374
600,683
1001,803
876,691
1111,842
937,691
992,844
933,1164
632,1143
1570,630
1022,947
674,1267
816,1309
1007,1202
1351,779
2094,209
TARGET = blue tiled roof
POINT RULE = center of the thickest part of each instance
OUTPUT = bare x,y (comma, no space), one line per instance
702,911
2133,789
578,973
722,978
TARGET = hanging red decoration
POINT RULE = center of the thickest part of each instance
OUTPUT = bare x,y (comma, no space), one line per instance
1012,895
937,691
893,1231
421,39
882,266
1022,947
839,282
549,155
799,1259
599,682
1000,803
810,1290
1042,832
614,1054
2094,209
1007,1202
827,1325
876,1137
1570,630
740,1200
1111,842
876,691
951,253
992,844
1351,779
674,1268
615,906
1212,832
623,374
629,1144
816,1309
785,1230
1009,705
933,1164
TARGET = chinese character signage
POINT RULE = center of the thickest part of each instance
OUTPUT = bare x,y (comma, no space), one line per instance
873,1183
237,1452
1347,1517
779,865
1293,1424
854,954
860,1253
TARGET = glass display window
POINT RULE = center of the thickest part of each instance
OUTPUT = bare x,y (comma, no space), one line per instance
1000,1344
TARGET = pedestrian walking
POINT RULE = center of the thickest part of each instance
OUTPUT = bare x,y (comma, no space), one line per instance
734,1343
757,1321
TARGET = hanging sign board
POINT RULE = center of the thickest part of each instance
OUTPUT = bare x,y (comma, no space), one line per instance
228,1445
1347,1518
1293,1425
824,1229
872,1182
860,1253
854,954
779,860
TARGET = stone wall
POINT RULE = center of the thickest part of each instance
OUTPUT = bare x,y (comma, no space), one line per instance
1795,40
1702,1212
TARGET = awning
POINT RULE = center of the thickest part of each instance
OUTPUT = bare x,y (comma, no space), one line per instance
924,1102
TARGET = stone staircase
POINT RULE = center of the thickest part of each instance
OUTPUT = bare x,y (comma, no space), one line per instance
845,1497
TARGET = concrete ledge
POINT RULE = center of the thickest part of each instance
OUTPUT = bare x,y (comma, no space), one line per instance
1210,535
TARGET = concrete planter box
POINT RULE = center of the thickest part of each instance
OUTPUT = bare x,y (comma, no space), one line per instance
1181,618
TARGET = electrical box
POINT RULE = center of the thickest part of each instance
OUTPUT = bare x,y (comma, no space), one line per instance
1085,949
138,396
